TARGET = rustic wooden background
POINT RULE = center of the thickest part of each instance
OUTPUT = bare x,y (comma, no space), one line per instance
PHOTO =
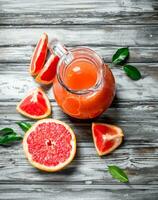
103,25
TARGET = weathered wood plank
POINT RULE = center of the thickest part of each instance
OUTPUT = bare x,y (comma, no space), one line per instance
18,82
80,12
83,17
138,130
140,163
108,26
138,120
138,155
96,35
105,5
22,54
87,192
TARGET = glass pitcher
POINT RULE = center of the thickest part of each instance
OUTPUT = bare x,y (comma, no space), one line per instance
84,86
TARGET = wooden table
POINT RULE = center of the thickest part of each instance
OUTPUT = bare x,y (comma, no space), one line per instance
104,25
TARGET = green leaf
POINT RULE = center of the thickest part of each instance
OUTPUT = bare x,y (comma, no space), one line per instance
6,131
132,72
120,55
24,126
7,139
118,173
7,136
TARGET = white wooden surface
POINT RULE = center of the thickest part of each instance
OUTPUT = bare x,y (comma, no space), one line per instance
103,25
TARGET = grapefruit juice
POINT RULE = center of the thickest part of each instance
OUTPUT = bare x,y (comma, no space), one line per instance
80,74
85,87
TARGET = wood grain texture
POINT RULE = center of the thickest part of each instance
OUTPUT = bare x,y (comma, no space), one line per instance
103,25
72,35
79,12
19,81
138,155
22,54
133,117
139,163
87,192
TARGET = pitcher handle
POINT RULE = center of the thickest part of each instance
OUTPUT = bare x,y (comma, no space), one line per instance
61,51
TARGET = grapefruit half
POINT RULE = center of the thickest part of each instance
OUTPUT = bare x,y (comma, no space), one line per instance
106,137
39,55
49,145
35,105
48,72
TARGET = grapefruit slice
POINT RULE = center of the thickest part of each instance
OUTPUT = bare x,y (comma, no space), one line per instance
71,106
49,145
39,55
48,72
106,137
35,105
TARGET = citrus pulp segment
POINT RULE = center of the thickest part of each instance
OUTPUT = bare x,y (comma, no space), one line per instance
35,105
48,72
39,55
106,137
49,145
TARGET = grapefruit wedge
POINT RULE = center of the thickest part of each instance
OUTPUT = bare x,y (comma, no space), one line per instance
48,72
106,137
39,55
35,105
49,145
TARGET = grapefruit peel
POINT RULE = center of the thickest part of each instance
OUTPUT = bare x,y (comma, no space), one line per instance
44,167
39,55
34,99
49,68
117,138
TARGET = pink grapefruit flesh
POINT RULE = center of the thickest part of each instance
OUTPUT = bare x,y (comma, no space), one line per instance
49,145
48,72
39,55
35,105
106,137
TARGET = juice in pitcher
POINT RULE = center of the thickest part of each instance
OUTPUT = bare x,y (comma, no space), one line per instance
84,86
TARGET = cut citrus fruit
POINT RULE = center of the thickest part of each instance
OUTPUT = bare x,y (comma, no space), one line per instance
48,72
35,105
49,145
71,106
39,55
106,137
